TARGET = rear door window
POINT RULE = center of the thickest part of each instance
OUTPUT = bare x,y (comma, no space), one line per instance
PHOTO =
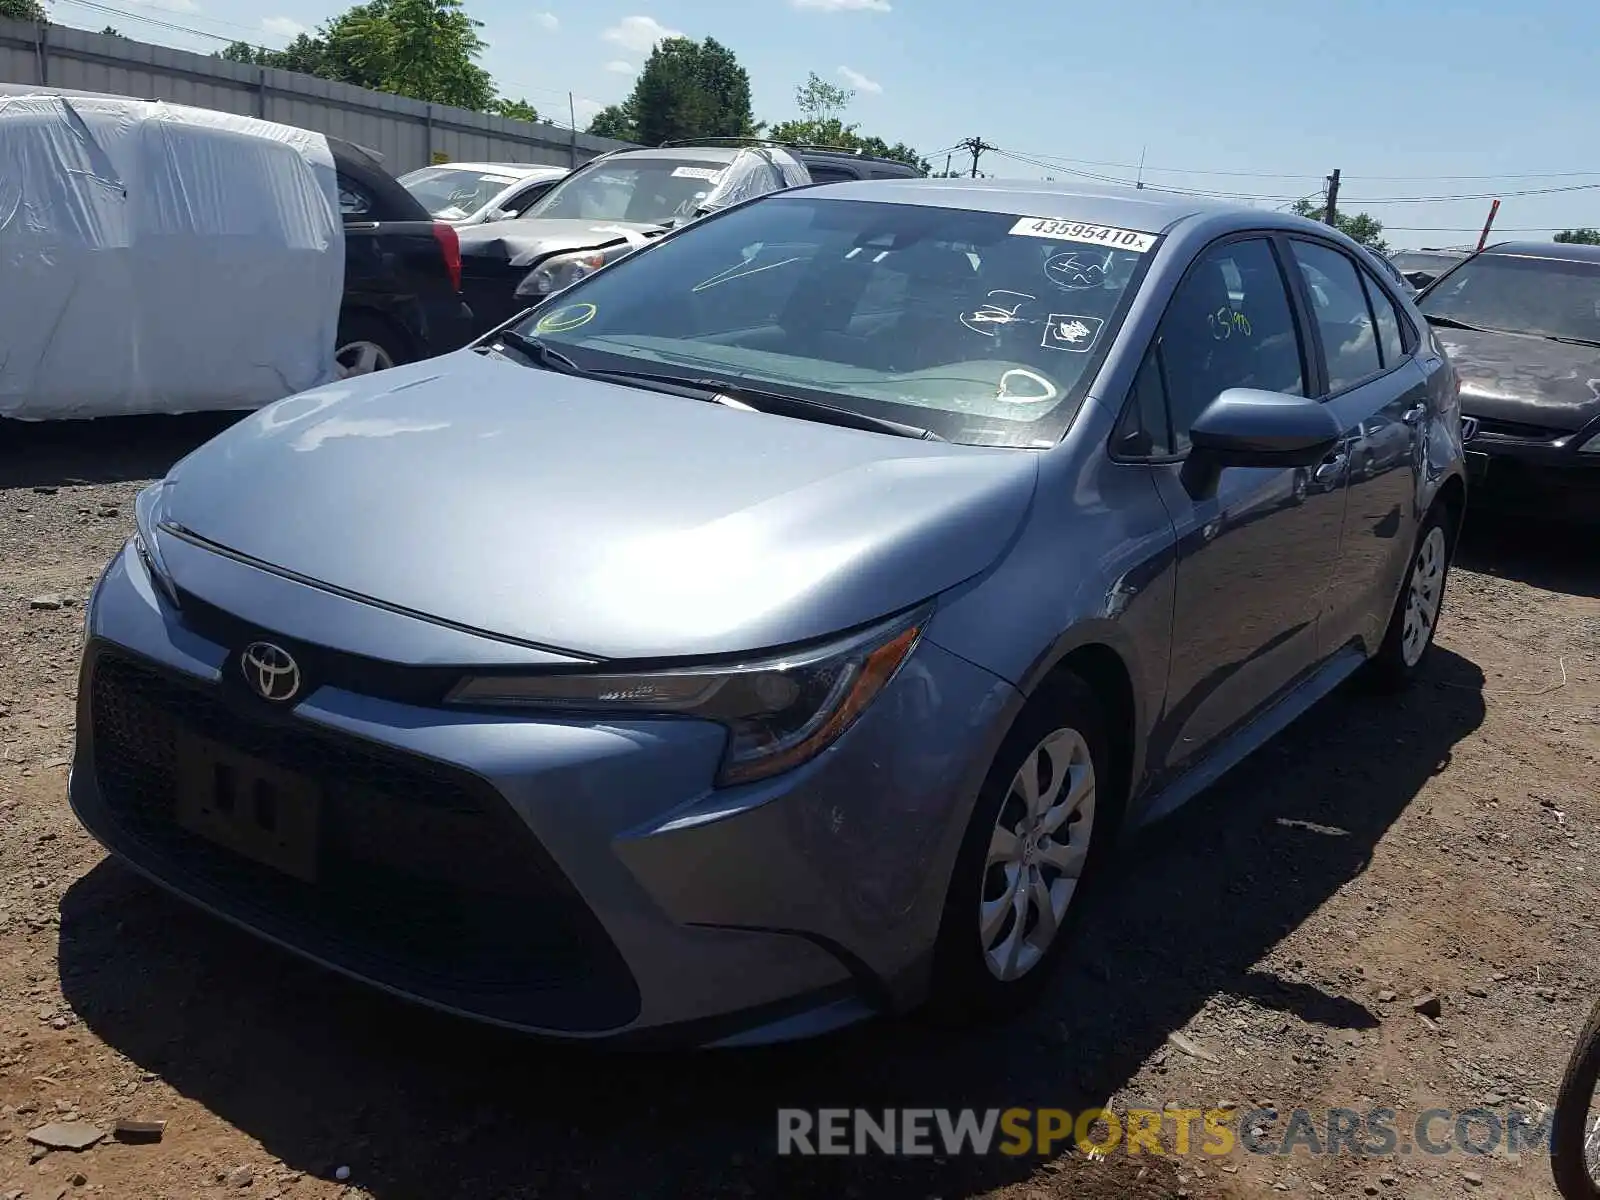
1339,307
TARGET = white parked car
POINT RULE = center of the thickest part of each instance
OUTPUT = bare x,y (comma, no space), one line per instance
472,193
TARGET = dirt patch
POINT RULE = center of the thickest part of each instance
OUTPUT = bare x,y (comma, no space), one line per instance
1263,950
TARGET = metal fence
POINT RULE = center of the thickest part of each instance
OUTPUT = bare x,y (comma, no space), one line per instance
408,133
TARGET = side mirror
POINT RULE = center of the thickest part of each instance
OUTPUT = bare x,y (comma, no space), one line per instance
1244,427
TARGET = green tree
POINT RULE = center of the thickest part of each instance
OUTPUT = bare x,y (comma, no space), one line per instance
1583,237
425,49
686,89
111,31
1362,227
821,123
819,100
517,110
22,10
615,121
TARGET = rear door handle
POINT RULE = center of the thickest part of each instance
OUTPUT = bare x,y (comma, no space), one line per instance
1414,414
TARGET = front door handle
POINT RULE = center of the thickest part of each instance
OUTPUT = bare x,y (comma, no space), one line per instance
1329,468
1414,414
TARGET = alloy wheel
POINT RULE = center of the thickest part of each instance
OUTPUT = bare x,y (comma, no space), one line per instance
1036,854
1591,1139
1424,596
361,358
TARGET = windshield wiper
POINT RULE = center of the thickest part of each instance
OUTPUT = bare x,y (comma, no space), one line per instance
762,400
540,353
1452,323
1572,341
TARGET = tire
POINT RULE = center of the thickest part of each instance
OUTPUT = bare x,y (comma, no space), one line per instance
367,343
1418,607
983,971
1576,1112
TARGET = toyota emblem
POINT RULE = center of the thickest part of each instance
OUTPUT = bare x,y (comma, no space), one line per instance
270,671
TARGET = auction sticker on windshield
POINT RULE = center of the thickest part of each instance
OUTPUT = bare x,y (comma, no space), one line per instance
710,174
1077,231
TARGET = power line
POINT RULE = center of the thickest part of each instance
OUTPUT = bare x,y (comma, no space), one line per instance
1054,159
112,10
148,20
1047,163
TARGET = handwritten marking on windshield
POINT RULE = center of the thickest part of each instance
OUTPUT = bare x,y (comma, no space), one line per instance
739,271
1005,393
988,317
1074,270
1068,331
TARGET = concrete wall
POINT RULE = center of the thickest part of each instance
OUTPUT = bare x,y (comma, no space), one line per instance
408,133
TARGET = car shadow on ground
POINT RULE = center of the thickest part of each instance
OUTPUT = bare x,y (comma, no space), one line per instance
1554,556
324,1074
107,450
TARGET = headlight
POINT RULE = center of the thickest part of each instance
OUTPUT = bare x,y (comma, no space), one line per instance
561,271
779,711
1592,446
146,516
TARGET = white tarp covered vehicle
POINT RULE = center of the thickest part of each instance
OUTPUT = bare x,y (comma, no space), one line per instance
156,258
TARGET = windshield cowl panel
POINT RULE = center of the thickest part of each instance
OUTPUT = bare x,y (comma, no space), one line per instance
983,328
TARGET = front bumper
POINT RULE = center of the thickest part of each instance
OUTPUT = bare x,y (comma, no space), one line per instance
1540,469
577,879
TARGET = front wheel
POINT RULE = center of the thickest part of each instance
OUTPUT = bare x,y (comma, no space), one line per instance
1575,1128
367,343
1039,832
1416,611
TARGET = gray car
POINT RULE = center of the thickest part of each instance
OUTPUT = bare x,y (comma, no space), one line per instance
779,625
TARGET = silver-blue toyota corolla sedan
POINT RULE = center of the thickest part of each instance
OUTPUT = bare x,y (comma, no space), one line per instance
778,625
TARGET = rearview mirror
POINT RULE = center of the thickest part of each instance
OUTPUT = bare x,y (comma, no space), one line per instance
1244,427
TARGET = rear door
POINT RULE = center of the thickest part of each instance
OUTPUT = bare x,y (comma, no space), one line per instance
1373,381
395,267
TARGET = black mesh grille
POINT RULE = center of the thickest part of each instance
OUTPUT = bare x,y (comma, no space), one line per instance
425,879
1517,429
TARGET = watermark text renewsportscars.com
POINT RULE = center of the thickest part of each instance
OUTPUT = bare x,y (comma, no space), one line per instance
1366,1132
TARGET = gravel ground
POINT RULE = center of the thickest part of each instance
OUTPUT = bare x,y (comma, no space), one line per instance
1262,948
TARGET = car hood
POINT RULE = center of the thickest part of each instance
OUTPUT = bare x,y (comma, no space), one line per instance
523,242
591,518
1514,377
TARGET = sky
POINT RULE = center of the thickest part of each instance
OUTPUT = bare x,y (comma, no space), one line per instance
1257,98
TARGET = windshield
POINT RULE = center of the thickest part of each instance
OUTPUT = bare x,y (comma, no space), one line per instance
1423,261
985,328
453,193
651,191
1545,296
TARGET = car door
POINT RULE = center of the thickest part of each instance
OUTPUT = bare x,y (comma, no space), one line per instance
1377,387
366,271
1256,559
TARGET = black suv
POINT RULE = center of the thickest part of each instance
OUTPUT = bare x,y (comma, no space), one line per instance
402,271
829,164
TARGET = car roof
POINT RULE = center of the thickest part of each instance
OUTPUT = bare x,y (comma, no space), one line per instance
1132,208
504,168
722,154
1567,251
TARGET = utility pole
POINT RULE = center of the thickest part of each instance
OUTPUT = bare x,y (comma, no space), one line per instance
1330,211
572,144
1139,182
947,166
975,146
